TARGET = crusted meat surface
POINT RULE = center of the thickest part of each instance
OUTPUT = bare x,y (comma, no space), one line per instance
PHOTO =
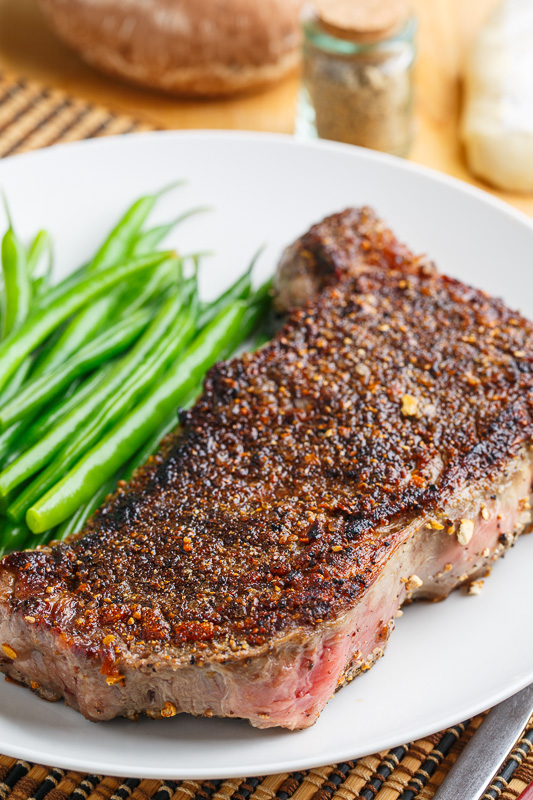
254,548
342,244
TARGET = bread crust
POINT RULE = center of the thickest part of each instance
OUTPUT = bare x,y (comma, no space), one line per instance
188,47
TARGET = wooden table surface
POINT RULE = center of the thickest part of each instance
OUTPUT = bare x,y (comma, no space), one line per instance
29,49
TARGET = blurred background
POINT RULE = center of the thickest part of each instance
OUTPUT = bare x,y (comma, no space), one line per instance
30,47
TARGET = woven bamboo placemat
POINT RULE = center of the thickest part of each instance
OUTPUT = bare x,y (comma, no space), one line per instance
33,116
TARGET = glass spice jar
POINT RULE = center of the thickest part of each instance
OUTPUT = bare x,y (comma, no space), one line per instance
357,73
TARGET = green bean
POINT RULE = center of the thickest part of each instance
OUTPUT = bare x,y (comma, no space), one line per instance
67,339
6,501
116,406
40,285
255,311
9,437
36,250
60,289
121,238
76,394
239,290
146,241
44,450
16,295
167,275
7,440
12,536
264,291
40,244
149,240
17,439
75,523
90,321
20,344
16,381
257,306
151,445
115,247
38,391
120,444
78,332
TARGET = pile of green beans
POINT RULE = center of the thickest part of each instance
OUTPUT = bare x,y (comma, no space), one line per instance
94,368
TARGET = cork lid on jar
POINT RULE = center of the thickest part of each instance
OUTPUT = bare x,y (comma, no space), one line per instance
363,20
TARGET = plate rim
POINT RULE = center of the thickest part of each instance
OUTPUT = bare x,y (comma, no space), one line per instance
292,140
95,767
481,195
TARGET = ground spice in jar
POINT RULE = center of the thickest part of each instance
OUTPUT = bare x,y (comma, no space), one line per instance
357,81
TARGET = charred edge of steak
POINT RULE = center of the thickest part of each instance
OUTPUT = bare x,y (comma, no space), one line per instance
288,681
340,245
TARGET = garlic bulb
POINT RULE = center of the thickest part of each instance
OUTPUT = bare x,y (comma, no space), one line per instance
497,126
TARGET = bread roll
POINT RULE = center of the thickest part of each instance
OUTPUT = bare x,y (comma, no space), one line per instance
187,47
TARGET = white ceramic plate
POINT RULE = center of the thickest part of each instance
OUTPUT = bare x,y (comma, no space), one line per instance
445,662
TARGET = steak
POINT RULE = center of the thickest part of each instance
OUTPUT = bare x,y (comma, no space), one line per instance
340,245
377,450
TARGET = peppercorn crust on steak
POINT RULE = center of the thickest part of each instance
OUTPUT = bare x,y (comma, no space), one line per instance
376,450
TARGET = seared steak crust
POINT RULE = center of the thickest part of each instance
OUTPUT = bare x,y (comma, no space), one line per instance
263,515
340,245
256,563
